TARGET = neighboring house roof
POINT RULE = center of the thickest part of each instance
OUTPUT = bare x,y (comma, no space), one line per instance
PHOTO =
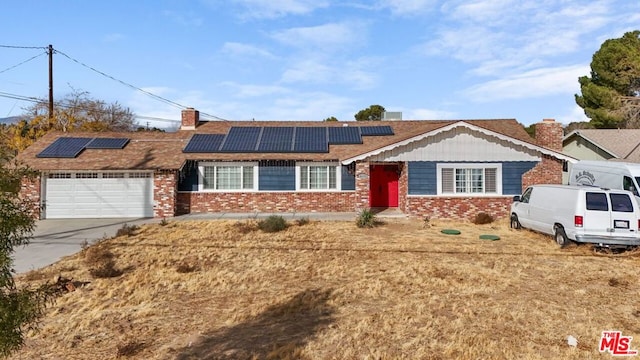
623,144
157,151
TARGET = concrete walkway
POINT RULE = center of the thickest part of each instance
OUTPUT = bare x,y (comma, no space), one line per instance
55,239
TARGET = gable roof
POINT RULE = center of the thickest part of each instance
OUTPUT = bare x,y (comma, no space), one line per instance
160,151
622,144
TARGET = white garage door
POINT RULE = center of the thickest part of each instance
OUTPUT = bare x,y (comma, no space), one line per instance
98,195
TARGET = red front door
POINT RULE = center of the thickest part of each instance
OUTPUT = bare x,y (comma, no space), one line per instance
384,186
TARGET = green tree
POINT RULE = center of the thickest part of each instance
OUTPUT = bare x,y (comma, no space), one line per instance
20,308
610,95
76,112
373,112
332,118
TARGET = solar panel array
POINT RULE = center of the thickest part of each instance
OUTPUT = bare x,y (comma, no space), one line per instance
282,139
107,143
71,147
202,143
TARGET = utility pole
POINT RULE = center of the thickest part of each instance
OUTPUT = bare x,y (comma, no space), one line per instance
50,82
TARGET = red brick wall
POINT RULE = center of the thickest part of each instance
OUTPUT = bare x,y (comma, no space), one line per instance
548,171
362,186
190,119
165,185
465,208
211,202
403,187
30,193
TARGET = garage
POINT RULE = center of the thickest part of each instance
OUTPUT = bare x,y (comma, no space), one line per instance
98,195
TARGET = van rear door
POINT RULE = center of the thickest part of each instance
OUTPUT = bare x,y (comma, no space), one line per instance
597,217
610,215
623,217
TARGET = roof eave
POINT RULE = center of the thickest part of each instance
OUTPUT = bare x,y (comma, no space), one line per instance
408,141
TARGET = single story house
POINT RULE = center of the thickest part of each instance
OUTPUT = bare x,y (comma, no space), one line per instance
439,169
602,144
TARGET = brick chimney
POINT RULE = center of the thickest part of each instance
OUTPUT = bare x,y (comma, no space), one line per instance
549,134
190,119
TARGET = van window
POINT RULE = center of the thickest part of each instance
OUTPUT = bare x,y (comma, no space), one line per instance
597,201
621,203
627,184
526,195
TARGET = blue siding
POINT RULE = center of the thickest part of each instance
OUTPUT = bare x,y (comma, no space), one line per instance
512,172
188,177
422,178
277,176
348,180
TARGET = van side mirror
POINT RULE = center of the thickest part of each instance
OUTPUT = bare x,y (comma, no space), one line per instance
516,198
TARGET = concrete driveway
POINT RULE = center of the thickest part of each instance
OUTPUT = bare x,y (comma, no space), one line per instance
55,239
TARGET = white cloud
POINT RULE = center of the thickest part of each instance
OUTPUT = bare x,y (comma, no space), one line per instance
252,90
533,83
407,7
188,19
239,49
350,73
279,8
326,37
576,114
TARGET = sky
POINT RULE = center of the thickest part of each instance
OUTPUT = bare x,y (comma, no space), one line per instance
310,59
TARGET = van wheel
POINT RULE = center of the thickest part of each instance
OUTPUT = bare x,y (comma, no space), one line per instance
515,224
561,237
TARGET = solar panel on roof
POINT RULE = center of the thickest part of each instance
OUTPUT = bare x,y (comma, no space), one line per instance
204,143
276,139
344,135
107,143
311,139
64,147
376,130
241,139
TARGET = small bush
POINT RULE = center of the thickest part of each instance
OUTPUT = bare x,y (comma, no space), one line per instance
273,223
164,222
100,261
185,268
127,230
130,348
245,227
483,218
366,219
302,221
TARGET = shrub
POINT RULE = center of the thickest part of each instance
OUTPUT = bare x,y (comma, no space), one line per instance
130,348
164,222
366,219
302,221
127,229
245,227
273,223
483,218
100,261
184,268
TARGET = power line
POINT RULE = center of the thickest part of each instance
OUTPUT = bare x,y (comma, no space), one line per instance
157,97
23,47
24,62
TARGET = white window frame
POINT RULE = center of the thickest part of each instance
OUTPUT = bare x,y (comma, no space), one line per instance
328,165
201,167
497,166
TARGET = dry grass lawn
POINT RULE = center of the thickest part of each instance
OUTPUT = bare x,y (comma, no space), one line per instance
330,290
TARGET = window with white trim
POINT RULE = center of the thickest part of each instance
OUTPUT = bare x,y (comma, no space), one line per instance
228,176
470,179
318,176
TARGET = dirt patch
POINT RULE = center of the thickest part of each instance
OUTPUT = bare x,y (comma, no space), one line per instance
224,289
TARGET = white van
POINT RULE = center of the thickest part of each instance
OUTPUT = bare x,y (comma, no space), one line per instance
579,213
609,174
